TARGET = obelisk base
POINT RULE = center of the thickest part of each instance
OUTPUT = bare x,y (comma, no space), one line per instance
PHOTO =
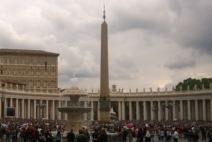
104,109
104,116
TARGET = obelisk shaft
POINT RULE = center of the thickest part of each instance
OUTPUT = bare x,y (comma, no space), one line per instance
104,82
104,76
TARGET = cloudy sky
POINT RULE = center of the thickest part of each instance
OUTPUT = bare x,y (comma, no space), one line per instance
152,43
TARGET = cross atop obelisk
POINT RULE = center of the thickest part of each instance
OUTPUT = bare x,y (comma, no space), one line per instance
104,75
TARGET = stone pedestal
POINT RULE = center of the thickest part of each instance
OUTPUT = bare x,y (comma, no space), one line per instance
104,109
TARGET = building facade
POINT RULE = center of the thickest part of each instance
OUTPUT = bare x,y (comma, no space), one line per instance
29,69
166,105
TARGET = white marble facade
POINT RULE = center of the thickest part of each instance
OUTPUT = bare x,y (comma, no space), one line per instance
167,105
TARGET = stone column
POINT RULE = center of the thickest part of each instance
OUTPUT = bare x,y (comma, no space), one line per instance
0,106
144,107
211,109
174,109
47,109
137,110
40,109
159,111
130,110
119,110
85,114
22,103
92,111
189,109
98,110
123,110
166,110
53,109
204,109
28,115
151,110
66,115
5,107
196,110
35,109
58,111
11,102
181,109
16,108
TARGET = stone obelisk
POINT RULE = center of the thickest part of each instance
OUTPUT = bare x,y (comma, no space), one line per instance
104,75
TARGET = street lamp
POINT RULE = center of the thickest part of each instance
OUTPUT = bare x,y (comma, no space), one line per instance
154,109
168,106
40,107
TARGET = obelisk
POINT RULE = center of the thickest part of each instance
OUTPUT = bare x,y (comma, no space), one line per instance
104,75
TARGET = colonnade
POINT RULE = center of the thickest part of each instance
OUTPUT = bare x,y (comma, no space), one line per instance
161,110
33,108
173,106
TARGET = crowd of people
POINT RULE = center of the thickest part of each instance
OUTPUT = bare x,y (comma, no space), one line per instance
167,131
30,130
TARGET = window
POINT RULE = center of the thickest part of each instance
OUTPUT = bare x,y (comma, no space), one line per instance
45,65
1,70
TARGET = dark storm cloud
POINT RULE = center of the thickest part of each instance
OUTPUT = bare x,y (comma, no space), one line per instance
124,20
123,67
192,27
180,64
145,37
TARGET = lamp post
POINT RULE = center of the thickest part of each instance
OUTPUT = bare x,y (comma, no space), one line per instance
167,106
154,110
40,107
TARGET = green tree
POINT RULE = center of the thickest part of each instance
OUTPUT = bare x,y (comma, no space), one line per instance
191,83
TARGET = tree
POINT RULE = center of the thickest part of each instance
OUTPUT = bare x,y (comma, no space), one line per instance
191,83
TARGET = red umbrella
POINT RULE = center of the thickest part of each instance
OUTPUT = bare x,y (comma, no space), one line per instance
130,125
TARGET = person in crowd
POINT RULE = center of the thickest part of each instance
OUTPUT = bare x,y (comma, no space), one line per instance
130,135
175,136
168,135
195,135
140,135
210,135
203,133
35,134
147,136
49,137
95,135
161,134
86,133
135,134
81,137
71,136
103,136
58,136
42,137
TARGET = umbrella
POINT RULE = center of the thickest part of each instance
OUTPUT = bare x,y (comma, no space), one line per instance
130,125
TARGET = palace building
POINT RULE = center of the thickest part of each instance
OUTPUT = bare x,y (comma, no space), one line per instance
28,69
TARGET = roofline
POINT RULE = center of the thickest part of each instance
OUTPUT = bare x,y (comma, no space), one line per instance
26,52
